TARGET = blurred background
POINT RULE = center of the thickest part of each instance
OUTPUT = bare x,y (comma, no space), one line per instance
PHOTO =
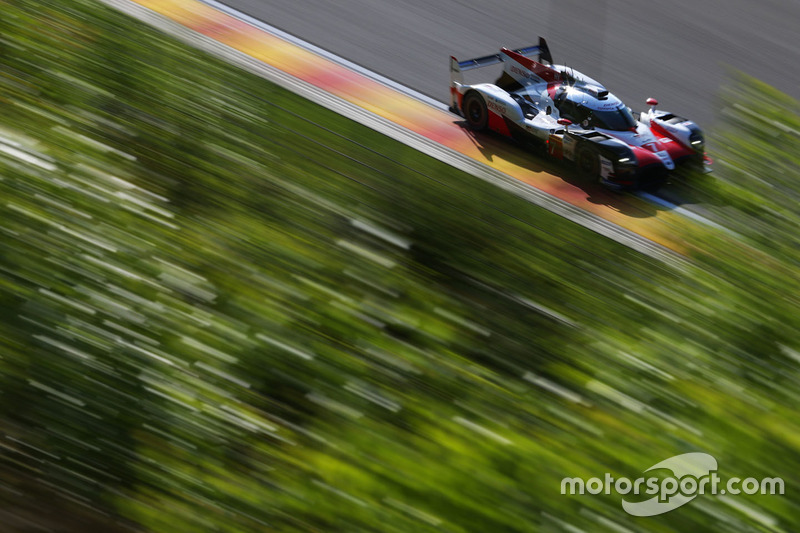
228,309
679,52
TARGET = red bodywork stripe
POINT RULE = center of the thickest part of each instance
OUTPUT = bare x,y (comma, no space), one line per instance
675,149
552,87
645,157
498,124
543,71
548,74
555,147
458,95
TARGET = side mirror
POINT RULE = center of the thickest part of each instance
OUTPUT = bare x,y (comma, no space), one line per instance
565,122
652,102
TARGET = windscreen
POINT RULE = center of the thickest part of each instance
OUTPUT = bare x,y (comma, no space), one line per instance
619,119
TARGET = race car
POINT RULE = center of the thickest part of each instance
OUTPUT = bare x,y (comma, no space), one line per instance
575,118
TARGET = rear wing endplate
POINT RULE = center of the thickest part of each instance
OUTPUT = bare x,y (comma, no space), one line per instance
541,51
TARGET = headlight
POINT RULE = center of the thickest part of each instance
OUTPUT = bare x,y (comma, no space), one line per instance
697,141
625,166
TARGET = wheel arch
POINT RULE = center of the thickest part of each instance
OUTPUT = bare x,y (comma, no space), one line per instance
476,122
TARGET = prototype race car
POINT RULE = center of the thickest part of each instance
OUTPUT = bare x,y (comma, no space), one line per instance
537,101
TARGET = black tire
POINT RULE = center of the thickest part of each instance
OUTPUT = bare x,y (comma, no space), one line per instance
475,111
588,163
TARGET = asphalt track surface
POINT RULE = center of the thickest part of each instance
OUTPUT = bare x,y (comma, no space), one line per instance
678,51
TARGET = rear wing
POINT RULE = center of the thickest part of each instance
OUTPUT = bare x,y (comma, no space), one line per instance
541,51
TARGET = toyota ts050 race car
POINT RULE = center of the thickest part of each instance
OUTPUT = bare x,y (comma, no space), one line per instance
575,118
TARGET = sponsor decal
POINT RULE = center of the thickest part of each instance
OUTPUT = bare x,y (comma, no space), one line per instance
665,159
569,146
498,108
521,72
651,145
606,168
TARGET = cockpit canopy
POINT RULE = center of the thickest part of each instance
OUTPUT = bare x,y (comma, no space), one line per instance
594,107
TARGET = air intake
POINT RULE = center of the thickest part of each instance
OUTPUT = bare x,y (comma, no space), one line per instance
598,92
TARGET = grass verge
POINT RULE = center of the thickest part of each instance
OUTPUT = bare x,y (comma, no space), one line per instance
226,308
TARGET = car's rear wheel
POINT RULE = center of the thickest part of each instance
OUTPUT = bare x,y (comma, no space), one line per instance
475,111
588,163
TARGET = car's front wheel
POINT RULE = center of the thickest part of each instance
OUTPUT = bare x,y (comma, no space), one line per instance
475,111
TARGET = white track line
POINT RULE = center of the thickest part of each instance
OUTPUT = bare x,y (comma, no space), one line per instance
401,134
652,198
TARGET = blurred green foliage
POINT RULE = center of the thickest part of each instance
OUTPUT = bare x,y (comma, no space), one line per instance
228,309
